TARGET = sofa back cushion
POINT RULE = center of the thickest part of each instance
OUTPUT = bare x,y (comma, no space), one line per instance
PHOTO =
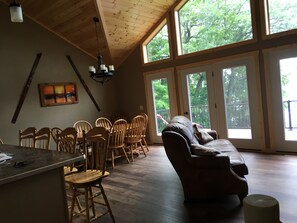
183,126
201,150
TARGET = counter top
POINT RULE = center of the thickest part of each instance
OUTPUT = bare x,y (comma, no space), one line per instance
36,160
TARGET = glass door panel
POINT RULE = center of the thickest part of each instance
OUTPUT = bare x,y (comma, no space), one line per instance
288,77
161,101
198,99
237,102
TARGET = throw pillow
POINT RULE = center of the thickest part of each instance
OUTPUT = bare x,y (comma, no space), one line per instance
201,150
205,137
201,135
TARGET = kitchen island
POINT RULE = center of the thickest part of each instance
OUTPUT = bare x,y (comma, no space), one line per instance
32,186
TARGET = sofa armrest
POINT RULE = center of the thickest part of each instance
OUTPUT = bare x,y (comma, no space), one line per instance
219,161
213,134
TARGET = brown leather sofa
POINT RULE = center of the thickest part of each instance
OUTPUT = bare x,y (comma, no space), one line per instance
216,169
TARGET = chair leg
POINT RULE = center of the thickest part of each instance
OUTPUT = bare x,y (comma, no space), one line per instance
126,156
112,158
78,204
145,144
87,204
72,204
130,147
92,201
142,148
106,202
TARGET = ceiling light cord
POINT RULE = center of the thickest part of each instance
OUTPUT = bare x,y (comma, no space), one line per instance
96,21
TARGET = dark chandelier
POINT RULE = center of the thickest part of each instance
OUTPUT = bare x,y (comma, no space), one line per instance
103,73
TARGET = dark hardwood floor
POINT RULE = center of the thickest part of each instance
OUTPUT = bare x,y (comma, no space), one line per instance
149,191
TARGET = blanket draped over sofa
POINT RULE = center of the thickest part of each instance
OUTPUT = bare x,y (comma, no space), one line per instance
207,166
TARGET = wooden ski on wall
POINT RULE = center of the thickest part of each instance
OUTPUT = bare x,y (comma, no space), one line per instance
83,83
25,89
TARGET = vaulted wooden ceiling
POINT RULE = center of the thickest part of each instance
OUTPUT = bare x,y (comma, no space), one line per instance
123,23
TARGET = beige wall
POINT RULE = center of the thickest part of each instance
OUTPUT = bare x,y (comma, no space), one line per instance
19,45
130,85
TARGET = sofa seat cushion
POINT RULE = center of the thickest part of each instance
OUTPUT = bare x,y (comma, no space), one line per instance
237,162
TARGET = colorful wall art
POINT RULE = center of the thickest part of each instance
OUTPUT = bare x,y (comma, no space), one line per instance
58,94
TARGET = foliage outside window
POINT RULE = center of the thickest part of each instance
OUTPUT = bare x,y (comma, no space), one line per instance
213,23
158,47
236,97
161,97
281,15
198,98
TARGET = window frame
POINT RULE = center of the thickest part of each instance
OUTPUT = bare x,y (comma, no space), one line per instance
219,48
265,24
150,37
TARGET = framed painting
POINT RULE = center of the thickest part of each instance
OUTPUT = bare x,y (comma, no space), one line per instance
58,94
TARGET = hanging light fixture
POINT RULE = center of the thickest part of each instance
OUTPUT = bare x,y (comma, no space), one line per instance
103,73
16,14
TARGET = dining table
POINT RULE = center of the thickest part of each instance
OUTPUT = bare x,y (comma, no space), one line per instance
32,186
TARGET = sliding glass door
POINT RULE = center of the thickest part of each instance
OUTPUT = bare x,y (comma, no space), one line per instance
225,96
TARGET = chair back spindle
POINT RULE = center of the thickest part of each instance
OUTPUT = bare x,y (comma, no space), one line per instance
42,138
27,137
103,122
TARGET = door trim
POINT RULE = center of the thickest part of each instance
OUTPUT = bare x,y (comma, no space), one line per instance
148,77
252,61
272,71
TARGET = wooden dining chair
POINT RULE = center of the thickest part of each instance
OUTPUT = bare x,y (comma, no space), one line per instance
103,122
66,142
42,138
116,144
81,126
54,133
143,135
133,138
27,137
82,183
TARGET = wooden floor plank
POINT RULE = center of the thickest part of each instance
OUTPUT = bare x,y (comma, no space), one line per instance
149,191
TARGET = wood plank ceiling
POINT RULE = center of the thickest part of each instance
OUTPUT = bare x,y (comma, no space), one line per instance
123,23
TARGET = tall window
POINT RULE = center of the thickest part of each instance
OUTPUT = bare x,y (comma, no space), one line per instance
213,23
281,15
157,47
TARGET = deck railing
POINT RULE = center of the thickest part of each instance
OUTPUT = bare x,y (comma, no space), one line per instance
290,114
238,115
